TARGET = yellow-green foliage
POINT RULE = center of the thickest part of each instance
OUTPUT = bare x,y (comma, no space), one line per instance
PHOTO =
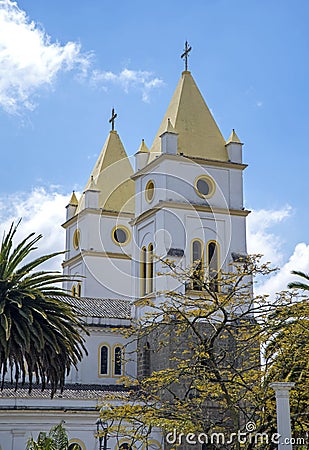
224,348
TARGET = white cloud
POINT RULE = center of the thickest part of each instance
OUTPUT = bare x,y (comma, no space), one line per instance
279,281
29,59
260,238
263,240
127,79
42,212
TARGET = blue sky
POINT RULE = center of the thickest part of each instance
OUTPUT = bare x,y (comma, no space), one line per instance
65,64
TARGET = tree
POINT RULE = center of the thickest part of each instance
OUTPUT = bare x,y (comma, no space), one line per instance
206,376
288,350
288,354
299,284
56,439
39,334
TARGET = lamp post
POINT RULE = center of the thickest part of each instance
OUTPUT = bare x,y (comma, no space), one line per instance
102,427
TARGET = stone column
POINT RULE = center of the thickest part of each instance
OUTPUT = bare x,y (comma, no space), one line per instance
282,391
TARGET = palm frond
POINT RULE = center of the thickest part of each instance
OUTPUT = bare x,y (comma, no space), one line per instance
39,334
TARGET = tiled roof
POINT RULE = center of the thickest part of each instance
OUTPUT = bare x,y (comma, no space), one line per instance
70,392
99,307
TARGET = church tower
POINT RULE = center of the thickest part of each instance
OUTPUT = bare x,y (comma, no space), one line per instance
98,231
184,202
189,196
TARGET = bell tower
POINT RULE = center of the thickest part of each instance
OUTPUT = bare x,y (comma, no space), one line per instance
189,196
98,230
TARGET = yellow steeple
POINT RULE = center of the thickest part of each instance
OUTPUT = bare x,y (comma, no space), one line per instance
198,133
111,175
73,200
143,148
233,138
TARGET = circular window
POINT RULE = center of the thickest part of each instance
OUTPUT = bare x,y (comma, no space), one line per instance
120,235
76,238
204,186
74,446
149,191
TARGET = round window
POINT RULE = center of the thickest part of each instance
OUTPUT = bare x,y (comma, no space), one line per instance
76,238
149,190
120,235
74,446
205,186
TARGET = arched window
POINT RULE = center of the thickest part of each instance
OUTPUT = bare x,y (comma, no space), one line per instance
146,360
104,360
118,360
79,290
143,271
73,290
213,265
197,263
150,268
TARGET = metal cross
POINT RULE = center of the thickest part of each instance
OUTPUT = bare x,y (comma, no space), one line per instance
112,119
185,54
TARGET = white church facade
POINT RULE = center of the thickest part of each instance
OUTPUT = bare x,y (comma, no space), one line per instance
184,201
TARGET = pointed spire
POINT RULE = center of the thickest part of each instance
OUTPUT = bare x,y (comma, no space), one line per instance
92,186
112,174
71,207
143,148
198,133
169,139
234,148
170,127
141,156
73,200
233,138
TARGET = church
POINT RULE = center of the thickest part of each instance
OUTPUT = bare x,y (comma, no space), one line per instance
182,200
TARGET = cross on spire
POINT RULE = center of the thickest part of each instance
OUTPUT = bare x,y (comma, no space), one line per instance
112,119
185,54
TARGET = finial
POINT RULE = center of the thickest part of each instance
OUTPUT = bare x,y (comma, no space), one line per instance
143,147
92,183
185,54
169,126
112,119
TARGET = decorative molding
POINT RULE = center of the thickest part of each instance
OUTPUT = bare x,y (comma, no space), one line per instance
83,253
189,206
195,159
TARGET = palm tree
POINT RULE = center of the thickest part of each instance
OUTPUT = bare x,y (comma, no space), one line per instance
39,334
299,284
57,439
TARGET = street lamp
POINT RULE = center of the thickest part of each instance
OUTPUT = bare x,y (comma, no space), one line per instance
102,427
